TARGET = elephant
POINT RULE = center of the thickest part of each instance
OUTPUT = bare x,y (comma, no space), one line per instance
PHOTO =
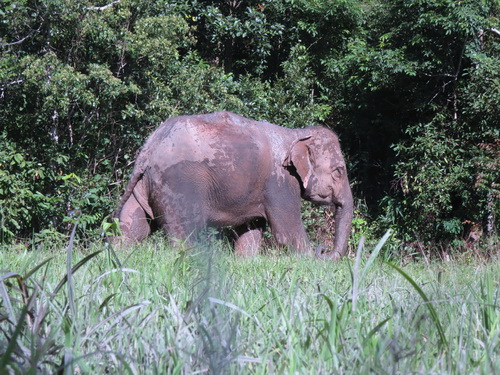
224,170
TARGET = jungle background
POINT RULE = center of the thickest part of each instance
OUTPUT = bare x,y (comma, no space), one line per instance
411,87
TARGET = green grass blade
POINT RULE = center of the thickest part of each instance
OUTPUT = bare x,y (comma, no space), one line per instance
428,304
5,295
114,270
5,359
32,271
106,301
355,273
115,258
332,327
69,272
374,253
230,305
8,275
487,306
375,329
118,316
74,269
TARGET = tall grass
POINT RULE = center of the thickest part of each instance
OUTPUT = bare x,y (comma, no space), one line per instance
153,309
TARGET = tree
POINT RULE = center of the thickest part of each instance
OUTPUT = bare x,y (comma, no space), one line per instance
410,86
409,80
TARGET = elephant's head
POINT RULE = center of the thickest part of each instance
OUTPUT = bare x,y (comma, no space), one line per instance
318,161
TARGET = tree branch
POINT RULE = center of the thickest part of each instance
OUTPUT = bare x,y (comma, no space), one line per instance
30,34
17,42
496,31
104,6
492,30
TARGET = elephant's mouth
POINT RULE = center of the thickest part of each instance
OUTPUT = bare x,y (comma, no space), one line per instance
322,198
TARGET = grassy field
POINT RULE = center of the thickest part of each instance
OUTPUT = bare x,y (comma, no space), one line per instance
156,310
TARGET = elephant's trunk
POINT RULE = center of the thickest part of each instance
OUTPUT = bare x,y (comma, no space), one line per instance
343,221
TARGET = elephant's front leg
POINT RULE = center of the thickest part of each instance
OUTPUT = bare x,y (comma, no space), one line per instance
284,217
288,230
249,238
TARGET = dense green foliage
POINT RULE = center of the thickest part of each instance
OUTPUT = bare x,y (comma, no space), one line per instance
205,311
412,87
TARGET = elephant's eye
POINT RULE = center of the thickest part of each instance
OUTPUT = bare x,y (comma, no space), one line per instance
337,173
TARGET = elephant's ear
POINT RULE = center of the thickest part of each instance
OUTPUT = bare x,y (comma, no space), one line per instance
300,157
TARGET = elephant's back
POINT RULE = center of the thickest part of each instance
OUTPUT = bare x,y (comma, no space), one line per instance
226,143
223,126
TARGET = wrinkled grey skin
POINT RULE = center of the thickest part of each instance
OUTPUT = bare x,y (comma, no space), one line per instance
222,169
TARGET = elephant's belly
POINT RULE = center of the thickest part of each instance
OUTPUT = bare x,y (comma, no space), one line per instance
230,216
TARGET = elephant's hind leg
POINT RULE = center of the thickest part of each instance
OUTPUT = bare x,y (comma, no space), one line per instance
134,223
249,238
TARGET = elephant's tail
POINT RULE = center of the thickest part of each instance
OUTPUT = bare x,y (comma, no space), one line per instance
136,177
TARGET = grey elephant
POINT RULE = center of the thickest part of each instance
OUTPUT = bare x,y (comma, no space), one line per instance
222,169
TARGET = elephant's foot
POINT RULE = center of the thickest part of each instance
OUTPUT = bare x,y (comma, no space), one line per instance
322,253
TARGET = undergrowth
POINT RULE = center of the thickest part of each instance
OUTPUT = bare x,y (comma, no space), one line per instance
154,309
